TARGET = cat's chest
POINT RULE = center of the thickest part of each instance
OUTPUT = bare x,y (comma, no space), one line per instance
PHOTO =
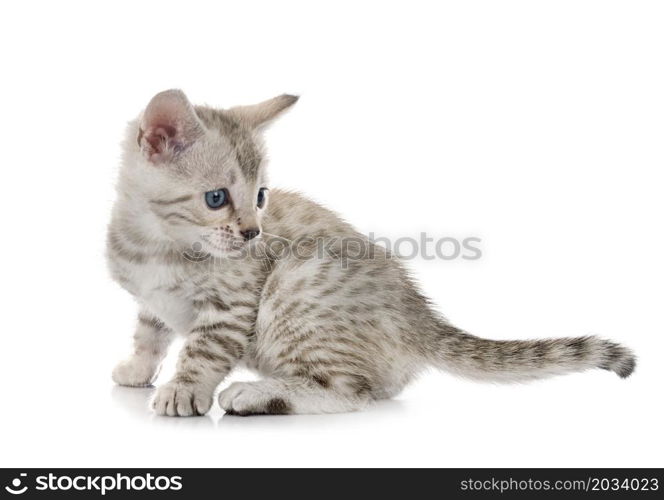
168,293
174,309
172,292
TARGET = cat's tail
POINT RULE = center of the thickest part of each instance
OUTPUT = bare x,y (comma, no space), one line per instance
520,360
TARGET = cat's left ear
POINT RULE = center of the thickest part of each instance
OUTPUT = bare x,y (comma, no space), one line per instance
169,125
262,114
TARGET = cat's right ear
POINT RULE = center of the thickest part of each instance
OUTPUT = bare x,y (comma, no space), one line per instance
168,126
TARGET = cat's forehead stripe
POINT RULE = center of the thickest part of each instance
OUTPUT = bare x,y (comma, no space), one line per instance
246,153
247,158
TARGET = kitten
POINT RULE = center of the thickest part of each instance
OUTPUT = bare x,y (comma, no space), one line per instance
192,238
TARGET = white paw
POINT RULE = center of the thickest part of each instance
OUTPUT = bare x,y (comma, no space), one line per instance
176,399
135,372
252,398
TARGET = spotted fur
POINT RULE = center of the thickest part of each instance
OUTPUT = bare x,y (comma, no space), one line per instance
329,332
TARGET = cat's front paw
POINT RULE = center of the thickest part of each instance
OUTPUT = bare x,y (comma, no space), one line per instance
176,399
134,372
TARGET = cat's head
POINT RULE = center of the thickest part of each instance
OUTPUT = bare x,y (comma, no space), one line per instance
198,172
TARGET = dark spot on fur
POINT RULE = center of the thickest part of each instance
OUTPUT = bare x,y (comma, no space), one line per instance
540,351
361,385
321,380
185,378
277,406
578,347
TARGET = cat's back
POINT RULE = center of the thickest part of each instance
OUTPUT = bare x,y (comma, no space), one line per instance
292,215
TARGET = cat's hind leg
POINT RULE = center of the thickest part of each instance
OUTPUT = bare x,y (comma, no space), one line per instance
284,396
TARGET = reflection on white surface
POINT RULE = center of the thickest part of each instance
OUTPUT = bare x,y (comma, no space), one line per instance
136,401
438,421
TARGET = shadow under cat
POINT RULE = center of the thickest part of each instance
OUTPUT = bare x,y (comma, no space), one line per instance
136,401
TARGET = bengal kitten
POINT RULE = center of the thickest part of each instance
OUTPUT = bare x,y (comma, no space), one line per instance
210,253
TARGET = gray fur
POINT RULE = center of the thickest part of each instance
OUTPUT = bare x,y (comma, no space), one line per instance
328,333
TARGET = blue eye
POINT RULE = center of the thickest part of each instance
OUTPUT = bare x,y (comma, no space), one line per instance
260,202
217,198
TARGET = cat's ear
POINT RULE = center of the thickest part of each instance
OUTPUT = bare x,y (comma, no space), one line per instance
261,114
169,125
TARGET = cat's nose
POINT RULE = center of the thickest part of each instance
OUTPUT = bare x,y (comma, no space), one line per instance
250,234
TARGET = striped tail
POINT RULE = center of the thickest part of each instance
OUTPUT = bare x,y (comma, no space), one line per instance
521,360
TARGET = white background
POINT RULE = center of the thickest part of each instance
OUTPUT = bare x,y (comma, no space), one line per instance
536,126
